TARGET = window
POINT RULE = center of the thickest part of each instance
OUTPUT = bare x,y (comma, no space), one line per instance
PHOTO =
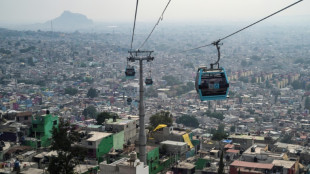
55,122
26,118
17,119
35,125
90,143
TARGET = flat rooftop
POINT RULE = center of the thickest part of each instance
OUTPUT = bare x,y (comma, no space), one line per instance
98,135
249,137
120,121
185,165
174,143
283,163
251,165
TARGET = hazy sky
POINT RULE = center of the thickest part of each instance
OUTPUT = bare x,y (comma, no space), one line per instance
38,11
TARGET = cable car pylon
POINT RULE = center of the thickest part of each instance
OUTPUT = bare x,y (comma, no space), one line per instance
141,56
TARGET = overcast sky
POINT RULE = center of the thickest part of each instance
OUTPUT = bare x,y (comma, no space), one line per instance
38,11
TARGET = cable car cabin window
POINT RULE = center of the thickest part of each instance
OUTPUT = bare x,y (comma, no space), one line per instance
213,84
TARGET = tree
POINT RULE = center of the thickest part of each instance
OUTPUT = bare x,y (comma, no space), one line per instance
90,111
253,80
83,65
189,65
182,89
251,111
171,80
162,117
232,128
307,103
71,91
104,115
297,84
268,85
30,61
276,94
68,156
255,57
220,133
216,115
307,87
188,120
244,79
221,165
92,93
289,111
262,78
286,139
244,63
3,51
151,92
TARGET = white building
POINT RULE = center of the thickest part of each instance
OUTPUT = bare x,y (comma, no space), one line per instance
130,165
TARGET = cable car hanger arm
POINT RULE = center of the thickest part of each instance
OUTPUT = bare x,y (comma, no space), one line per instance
217,44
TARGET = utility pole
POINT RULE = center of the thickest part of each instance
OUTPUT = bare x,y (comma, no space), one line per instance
141,56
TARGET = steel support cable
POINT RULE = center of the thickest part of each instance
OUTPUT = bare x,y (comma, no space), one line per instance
134,25
244,27
160,19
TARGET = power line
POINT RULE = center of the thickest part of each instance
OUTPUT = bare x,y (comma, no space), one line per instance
244,27
160,19
134,25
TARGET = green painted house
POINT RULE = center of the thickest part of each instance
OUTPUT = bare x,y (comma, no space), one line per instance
40,130
157,164
118,140
98,144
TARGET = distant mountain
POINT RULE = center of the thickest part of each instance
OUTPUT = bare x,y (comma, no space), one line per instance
68,18
69,21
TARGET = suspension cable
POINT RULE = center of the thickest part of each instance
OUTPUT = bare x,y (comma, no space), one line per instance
244,27
134,24
160,19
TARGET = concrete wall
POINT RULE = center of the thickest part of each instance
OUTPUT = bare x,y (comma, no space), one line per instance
119,168
130,130
118,140
175,149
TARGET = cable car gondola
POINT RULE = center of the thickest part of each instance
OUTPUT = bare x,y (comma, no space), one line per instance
212,84
129,100
148,81
130,72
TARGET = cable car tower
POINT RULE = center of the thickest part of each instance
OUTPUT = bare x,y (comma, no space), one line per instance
141,56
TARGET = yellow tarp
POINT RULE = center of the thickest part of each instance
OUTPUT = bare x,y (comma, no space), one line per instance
160,126
187,140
